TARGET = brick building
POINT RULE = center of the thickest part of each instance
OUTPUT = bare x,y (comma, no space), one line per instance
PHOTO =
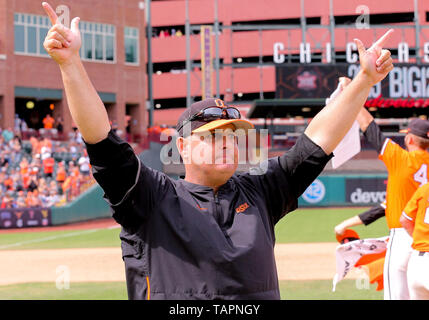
112,51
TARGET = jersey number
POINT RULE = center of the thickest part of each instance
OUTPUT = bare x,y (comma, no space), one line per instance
421,175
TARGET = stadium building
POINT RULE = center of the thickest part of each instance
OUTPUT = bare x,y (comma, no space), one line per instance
277,60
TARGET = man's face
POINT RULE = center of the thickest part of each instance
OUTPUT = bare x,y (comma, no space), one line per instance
213,154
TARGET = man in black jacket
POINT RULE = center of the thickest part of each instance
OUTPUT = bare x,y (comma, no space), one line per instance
210,235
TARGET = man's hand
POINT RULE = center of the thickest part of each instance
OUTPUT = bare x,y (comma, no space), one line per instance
61,43
339,229
86,108
375,62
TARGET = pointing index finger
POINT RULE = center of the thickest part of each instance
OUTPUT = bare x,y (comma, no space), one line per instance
381,42
50,12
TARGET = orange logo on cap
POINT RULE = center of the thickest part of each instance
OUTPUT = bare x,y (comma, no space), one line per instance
219,103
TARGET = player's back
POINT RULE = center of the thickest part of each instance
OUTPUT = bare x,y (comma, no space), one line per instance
421,218
406,172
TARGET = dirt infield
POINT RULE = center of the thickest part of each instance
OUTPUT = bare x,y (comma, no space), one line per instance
305,261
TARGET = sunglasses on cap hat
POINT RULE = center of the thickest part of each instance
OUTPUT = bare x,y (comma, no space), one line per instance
213,113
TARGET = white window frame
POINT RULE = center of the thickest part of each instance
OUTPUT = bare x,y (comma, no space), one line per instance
104,30
46,24
131,36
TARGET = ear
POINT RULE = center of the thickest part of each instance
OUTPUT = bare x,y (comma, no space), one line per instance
180,144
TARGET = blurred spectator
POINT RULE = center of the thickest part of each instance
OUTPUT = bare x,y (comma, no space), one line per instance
61,172
60,126
20,200
48,165
7,134
42,185
77,137
32,200
3,160
74,152
17,124
15,146
7,201
34,167
84,165
48,122
32,185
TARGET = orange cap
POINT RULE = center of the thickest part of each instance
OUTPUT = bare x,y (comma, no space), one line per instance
347,236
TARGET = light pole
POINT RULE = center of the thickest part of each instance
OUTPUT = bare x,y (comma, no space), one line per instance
149,107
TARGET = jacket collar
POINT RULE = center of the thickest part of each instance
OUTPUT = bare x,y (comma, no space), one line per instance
202,189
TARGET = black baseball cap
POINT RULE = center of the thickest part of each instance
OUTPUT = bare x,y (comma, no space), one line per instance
418,127
200,125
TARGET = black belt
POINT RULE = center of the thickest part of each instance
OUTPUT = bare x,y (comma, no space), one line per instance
422,253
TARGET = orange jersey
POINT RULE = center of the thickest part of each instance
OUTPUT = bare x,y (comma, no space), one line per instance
23,168
48,165
61,174
48,122
25,181
417,210
406,172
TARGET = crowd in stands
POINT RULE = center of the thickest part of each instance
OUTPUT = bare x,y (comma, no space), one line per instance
40,171
163,33
52,128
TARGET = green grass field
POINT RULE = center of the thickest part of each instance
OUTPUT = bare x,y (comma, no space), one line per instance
60,239
303,225
289,290
317,225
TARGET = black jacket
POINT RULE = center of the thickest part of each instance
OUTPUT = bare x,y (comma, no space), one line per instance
182,241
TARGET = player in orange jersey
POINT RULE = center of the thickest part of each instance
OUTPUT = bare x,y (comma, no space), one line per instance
407,170
415,219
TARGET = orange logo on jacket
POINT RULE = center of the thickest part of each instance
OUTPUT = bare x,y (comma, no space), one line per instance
198,206
242,208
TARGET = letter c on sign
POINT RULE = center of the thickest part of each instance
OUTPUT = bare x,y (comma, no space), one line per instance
278,57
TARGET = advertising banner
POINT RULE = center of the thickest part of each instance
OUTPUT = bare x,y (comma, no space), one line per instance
345,190
25,218
206,61
365,191
405,89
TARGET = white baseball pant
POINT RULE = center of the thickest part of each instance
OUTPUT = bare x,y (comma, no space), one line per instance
395,265
418,275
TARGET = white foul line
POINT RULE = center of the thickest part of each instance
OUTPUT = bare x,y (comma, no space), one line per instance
17,244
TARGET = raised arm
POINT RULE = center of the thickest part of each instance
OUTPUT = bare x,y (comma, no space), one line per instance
87,109
371,130
331,124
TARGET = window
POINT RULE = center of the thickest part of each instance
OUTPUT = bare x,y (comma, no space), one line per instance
30,32
131,45
98,42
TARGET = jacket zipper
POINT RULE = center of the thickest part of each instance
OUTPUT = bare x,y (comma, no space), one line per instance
217,215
